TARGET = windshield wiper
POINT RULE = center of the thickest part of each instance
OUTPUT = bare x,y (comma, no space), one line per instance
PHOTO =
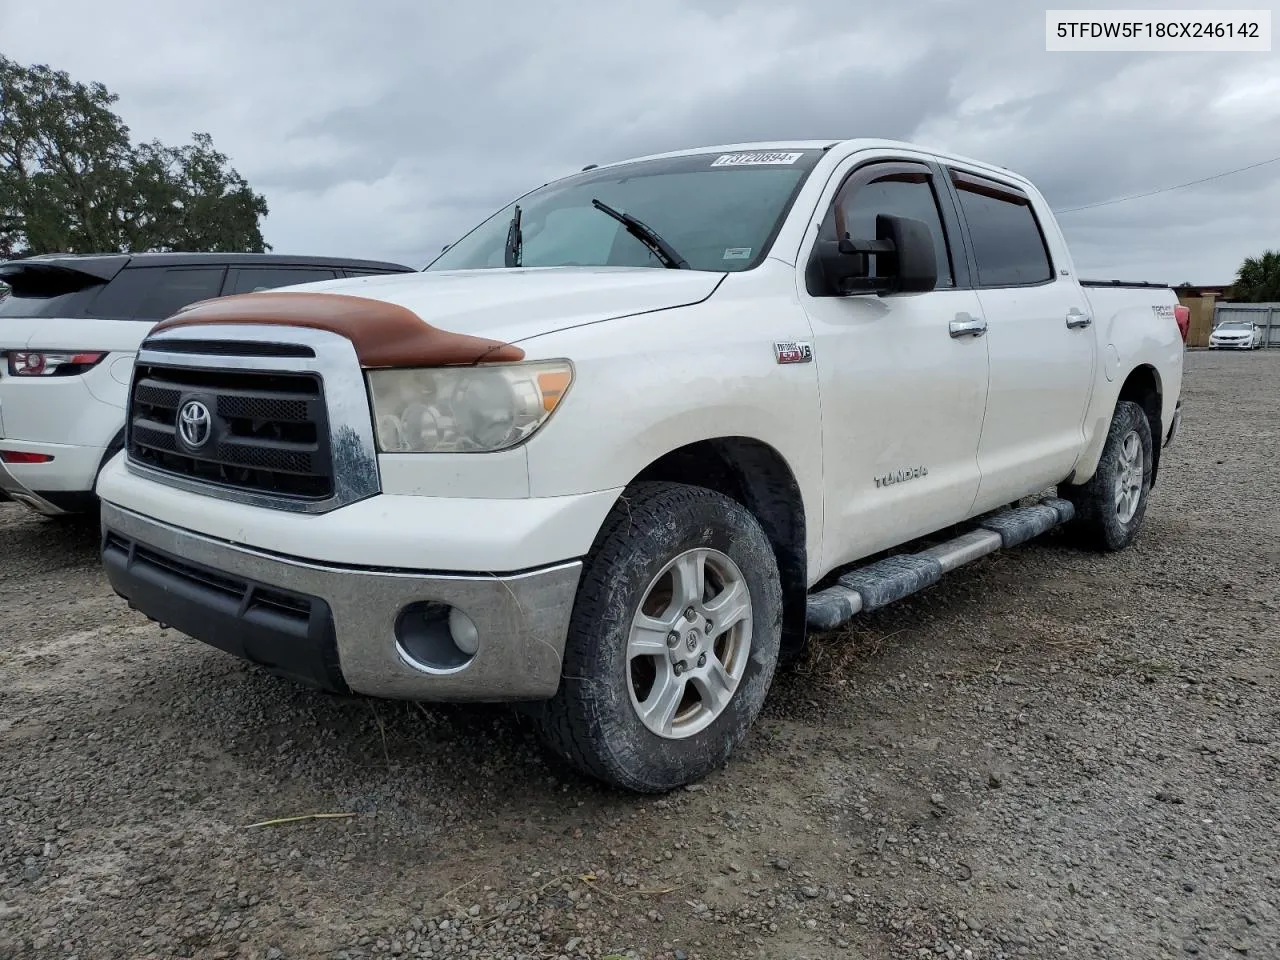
515,242
646,235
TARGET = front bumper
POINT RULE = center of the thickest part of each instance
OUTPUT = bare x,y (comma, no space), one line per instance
1231,345
342,628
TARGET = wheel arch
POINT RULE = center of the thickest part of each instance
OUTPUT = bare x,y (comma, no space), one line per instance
756,475
1143,387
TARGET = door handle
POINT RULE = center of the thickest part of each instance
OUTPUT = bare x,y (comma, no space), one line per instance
1077,319
965,325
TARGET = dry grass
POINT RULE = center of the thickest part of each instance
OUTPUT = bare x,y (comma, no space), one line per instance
833,658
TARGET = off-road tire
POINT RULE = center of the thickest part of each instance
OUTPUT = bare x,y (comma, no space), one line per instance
591,722
1097,524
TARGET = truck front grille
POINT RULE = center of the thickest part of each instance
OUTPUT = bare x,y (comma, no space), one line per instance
264,432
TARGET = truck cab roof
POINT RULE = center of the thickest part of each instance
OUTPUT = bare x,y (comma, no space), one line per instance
846,146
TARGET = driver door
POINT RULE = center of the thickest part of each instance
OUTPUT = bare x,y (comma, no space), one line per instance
903,377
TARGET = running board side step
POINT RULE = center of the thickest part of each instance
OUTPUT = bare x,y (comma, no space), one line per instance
872,587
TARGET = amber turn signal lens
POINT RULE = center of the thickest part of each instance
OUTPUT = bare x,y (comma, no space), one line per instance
552,386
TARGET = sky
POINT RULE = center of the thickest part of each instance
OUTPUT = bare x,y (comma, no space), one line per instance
386,129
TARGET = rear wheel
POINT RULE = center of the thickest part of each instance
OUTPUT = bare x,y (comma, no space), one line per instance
1110,507
673,642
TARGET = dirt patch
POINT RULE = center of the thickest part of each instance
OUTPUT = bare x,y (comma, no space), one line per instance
1052,753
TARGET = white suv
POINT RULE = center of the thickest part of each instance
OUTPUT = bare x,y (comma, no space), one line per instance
69,331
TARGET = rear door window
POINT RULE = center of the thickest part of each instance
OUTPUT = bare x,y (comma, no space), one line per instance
156,293
178,287
1007,241
249,279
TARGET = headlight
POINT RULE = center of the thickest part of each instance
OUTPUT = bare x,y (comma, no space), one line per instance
465,409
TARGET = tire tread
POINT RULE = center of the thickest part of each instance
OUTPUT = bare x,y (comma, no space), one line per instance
568,723
1096,525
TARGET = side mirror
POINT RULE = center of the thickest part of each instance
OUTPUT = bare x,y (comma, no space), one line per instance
905,261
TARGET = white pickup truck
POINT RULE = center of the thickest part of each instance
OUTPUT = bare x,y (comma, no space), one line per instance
619,448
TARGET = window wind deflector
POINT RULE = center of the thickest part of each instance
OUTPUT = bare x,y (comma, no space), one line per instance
646,235
995,189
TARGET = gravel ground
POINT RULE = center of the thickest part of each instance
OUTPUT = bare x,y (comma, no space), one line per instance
1052,753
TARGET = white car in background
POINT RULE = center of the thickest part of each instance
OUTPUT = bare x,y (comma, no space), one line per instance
1236,335
69,330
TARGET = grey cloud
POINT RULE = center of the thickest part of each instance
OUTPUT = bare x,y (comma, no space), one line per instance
788,105
389,128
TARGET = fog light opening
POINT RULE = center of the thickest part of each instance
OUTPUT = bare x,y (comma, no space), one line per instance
435,637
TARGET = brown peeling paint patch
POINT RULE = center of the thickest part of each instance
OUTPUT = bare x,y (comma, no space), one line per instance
384,334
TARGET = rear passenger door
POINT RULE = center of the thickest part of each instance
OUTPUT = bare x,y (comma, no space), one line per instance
249,279
1039,340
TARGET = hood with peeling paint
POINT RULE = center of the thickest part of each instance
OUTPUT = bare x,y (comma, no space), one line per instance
512,305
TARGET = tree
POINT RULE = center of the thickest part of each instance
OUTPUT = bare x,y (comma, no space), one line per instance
1258,279
187,198
71,179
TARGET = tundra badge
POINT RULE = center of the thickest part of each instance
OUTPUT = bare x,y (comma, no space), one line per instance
899,476
792,351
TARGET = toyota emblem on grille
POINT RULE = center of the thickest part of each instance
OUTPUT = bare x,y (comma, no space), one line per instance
194,424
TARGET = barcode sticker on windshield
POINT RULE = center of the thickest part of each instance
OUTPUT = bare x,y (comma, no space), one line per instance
755,159
737,253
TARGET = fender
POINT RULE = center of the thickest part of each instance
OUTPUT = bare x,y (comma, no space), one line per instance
644,387
1129,340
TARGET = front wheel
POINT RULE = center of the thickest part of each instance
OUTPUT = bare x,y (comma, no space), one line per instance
1111,505
673,641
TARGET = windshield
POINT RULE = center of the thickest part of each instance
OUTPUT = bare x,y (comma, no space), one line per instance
1235,325
717,211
